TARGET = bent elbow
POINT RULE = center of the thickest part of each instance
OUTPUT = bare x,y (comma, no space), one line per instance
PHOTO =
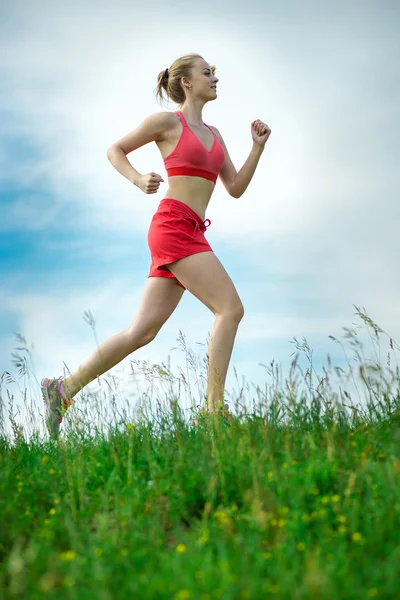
112,149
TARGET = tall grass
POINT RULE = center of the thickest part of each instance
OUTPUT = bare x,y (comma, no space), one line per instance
297,497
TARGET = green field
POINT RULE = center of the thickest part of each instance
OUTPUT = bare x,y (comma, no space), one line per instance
298,498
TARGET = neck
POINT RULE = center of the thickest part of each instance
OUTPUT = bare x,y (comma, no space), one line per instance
192,111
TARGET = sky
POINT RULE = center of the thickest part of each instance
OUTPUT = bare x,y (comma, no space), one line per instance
314,235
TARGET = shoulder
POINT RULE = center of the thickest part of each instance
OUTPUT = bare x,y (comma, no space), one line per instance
159,124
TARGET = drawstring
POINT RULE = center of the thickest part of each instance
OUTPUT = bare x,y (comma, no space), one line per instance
203,225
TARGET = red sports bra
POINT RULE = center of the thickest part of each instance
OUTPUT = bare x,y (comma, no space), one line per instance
191,157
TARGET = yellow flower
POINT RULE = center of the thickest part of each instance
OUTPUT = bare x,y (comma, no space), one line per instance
68,556
51,472
181,548
45,459
222,516
372,592
270,475
130,426
342,518
281,523
52,511
284,510
57,500
357,537
301,547
204,537
342,529
182,595
335,498
325,499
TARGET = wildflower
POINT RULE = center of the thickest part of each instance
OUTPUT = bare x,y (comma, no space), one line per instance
51,472
342,518
284,510
68,556
281,523
204,537
52,511
335,498
130,426
372,592
182,595
357,537
222,516
181,548
342,529
45,459
57,500
301,547
325,499
270,475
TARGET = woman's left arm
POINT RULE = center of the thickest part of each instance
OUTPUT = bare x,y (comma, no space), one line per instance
236,183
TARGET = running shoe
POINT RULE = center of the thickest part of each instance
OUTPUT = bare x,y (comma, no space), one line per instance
56,404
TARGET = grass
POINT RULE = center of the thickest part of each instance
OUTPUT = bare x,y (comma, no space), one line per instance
298,499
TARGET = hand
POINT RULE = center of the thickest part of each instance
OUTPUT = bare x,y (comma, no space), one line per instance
260,132
149,183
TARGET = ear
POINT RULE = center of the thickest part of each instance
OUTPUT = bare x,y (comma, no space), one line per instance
185,82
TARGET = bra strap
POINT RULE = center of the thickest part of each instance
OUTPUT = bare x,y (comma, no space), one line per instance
182,118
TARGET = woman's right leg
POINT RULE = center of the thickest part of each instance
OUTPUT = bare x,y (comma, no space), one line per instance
160,298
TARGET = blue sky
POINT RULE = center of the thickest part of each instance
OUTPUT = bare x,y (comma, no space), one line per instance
316,231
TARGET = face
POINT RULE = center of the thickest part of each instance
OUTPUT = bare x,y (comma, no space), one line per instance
203,80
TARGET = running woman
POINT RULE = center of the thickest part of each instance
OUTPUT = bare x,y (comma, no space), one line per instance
194,155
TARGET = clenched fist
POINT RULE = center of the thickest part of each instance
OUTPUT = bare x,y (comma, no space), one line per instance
149,183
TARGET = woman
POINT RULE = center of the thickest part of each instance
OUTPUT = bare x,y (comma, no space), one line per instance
194,155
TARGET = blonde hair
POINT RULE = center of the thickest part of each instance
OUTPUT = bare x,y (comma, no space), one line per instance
171,84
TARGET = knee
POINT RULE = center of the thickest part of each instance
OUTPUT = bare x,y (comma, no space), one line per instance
235,312
139,338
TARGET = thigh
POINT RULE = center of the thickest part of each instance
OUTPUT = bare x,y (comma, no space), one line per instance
205,277
160,297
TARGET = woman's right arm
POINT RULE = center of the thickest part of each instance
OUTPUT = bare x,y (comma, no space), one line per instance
152,129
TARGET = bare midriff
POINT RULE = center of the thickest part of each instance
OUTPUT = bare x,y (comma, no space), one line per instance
196,192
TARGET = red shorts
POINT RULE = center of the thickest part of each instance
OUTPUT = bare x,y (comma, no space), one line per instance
175,231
